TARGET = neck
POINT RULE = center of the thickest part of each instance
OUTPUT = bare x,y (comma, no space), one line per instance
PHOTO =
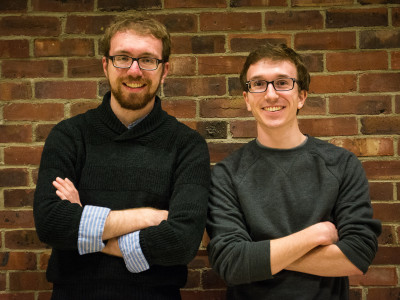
280,139
128,116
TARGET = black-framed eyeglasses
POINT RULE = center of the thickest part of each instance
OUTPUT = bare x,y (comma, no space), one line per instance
280,85
144,63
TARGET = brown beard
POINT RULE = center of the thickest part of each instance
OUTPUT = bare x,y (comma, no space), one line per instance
133,102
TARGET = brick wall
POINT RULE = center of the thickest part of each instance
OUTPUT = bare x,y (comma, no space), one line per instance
50,70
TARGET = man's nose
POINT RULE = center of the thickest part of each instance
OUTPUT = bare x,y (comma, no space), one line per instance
134,68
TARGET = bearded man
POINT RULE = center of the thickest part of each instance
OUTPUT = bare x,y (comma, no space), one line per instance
122,189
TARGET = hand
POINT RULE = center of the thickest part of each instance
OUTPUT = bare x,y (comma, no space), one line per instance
66,190
327,233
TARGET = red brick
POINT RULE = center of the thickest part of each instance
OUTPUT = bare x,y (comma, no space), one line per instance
344,18
85,68
243,129
379,82
294,20
200,261
15,133
180,108
44,295
194,87
214,65
13,177
311,3
32,69
234,87
22,240
82,107
248,42
15,91
366,146
14,49
329,126
211,280
387,256
87,24
360,105
223,108
398,191
388,169
382,191
212,130
257,3
20,281
205,240
18,198
379,39
355,293
392,293
17,261
13,6
380,125
3,278
203,295
16,219
123,5
396,60
34,112
220,151
65,47
314,106
44,261
325,40
179,22
198,44
193,279
387,212
396,16
30,26
230,21
314,62
18,296
42,131
344,83
376,276
66,90
387,236
194,4
61,6
349,61
22,155
181,66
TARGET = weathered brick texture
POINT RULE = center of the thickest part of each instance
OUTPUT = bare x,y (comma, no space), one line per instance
50,69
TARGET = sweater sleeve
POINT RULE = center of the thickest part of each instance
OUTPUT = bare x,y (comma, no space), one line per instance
176,241
232,252
357,229
57,221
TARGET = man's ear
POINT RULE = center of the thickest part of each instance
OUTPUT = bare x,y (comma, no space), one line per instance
302,99
165,71
105,65
246,99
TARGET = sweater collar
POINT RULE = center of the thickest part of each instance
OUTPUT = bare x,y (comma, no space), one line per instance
111,126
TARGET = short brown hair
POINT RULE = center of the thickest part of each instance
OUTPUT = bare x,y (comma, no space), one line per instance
277,53
141,24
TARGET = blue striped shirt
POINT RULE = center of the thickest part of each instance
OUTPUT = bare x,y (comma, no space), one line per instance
90,234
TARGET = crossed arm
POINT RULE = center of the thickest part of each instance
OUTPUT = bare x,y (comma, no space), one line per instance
118,222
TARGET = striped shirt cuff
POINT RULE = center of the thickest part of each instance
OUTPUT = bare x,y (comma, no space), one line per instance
132,252
91,229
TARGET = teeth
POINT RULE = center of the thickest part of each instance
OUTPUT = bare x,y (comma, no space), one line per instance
273,108
134,85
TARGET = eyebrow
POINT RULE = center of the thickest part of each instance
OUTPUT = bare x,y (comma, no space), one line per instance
261,77
124,52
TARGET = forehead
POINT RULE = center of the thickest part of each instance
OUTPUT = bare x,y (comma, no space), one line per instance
271,69
132,43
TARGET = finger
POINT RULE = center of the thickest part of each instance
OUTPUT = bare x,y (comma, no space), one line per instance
61,195
60,188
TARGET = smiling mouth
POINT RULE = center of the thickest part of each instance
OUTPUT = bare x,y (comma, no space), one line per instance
134,85
274,108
